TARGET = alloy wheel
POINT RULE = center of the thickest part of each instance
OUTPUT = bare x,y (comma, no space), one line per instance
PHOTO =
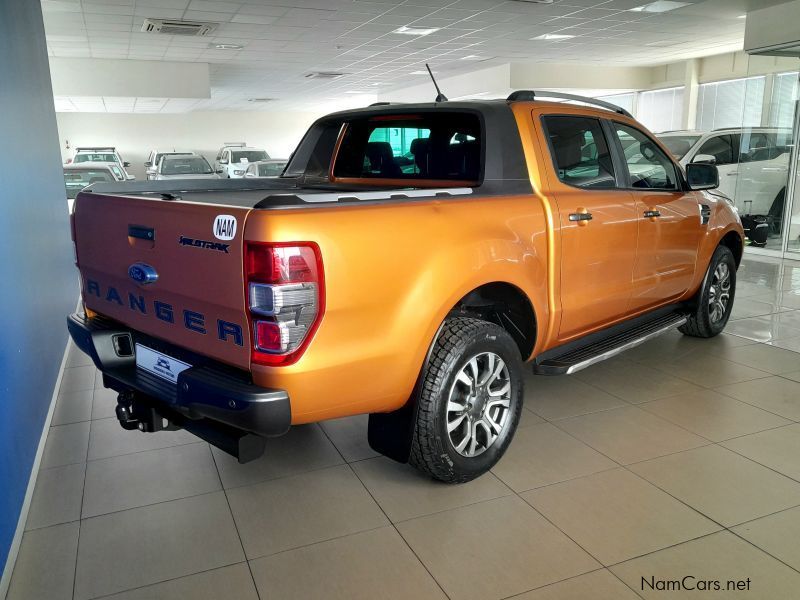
719,294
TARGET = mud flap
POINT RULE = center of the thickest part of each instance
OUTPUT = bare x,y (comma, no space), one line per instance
391,433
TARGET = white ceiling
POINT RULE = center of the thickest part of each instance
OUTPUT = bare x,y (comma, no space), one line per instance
283,40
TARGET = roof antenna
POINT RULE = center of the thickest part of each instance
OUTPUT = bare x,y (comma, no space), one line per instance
440,97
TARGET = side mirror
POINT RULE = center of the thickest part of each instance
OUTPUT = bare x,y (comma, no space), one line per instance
148,164
707,159
702,176
126,164
218,171
223,162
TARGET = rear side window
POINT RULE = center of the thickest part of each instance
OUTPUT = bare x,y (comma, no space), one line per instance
580,152
447,146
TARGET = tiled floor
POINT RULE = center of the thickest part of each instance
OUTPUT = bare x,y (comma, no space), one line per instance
680,458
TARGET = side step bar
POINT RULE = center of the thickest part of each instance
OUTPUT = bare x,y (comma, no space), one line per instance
602,345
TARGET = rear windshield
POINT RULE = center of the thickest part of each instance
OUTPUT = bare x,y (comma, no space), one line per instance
679,145
95,157
185,165
420,146
271,169
248,155
76,180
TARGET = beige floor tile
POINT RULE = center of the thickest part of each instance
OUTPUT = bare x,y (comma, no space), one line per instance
630,434
744,308
528,417
104,403
304,509
404,493
777,534
303,449
616,515
674,345
57,497
66,444
494,549
349,435
597,585
543,454
635,382
122,482
109,439
141,546
76,379
763,329
73,407
722,485
229,583
561,397
763,357
722,557
789,344
774,394
76,358
365,566
714,416
794,376
45,567
706,370
778,449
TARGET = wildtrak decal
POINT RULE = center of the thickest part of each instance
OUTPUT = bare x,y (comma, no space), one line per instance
206,245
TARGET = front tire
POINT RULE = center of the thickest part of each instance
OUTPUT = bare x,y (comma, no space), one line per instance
469,401
714,301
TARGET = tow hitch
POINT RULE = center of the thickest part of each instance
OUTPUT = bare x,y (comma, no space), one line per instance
136,411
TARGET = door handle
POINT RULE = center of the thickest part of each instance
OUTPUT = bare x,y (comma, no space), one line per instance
652,214
733,173
580,216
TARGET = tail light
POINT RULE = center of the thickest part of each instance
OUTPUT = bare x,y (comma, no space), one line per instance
285,298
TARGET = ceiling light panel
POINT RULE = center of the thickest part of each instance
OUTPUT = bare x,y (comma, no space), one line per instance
660,6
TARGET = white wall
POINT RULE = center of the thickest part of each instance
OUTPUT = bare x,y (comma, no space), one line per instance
134,135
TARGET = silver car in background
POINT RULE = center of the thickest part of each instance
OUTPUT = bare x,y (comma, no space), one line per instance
266,168
183,167
78,175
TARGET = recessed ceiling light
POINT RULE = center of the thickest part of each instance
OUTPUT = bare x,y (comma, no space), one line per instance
226,46
408,30
660,6
472,57
553,36
260,99
742,17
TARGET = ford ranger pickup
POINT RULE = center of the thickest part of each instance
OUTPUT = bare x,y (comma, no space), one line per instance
407,264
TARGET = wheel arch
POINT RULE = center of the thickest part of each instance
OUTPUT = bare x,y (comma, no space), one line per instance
734,242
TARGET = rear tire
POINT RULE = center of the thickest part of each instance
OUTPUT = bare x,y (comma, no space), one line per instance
714,301
469,401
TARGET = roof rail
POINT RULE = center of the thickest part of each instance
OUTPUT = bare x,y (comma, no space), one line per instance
529,95
380,103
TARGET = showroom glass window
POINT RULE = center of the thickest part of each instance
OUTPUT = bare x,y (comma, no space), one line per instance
580,152
649,167
733,103
446,147
661,110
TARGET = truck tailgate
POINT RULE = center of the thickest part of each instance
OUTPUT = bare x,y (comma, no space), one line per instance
197,301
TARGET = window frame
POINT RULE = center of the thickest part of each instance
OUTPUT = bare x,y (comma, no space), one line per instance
618,179
680,182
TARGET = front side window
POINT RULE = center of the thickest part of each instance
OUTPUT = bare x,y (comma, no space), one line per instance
447,146
678,145
649,167
580,152
724,149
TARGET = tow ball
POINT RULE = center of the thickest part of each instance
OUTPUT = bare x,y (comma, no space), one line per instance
134,412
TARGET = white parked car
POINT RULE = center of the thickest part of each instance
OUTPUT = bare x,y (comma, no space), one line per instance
233,158
100,154
151,164
78,176
189,166
753,163
266,168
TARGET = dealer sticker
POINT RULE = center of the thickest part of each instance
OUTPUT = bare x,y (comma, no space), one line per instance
159,364
225,227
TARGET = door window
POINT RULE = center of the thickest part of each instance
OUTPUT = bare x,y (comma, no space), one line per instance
648,166
724,149
580,152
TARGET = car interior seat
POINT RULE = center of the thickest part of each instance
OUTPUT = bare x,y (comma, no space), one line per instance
381,159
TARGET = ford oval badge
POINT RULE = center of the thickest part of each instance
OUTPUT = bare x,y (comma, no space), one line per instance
142,273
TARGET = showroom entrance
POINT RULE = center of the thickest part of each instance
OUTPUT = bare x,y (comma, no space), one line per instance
769,157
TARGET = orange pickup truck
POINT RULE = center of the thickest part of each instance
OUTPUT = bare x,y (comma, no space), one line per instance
409,261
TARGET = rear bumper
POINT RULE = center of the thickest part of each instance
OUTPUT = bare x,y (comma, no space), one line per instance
207,390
